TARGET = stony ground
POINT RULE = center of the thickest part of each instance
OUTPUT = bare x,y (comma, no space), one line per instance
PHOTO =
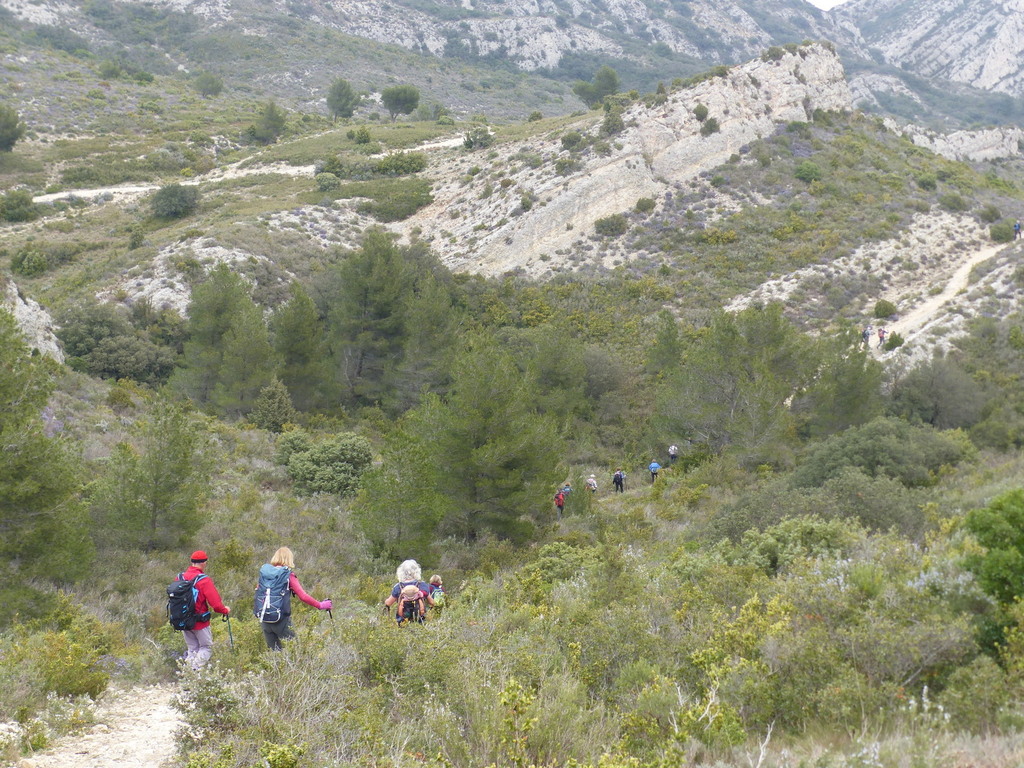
134,729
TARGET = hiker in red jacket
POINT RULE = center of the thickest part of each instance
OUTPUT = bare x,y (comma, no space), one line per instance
199,640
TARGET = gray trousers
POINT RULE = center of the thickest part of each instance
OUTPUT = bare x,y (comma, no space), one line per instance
198,645
276,632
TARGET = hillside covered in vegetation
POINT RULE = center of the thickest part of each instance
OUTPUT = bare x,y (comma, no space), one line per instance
273,339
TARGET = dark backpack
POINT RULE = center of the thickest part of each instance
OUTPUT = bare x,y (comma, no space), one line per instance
410,602
617,477
273,598
181,602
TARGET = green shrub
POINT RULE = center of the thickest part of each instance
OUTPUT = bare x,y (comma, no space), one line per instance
914,455
926,181
327,182
401,163
700,112
566,165
644,205
174,201
709,127
953,202
290,443
572,140
774,53
534,116
445,120
989,214
361,135
612,226
29,262
478,137
332,466
17,205
892,341
883,309
612,123
1001,232
808,171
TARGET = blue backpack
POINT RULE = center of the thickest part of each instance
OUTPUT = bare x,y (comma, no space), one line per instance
273,598
181,603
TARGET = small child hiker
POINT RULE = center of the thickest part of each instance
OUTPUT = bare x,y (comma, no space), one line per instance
592,483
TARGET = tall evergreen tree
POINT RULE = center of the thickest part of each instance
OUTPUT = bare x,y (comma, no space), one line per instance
490,452
368,316
228,358
43,525
248,362
300,344
736,384
155,484
342,100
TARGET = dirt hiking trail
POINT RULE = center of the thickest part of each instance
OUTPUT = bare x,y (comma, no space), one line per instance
134,729
914,321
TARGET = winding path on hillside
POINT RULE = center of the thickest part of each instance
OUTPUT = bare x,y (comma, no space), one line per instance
911,324
135,729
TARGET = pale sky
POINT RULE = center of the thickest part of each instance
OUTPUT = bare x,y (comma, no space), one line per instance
826,4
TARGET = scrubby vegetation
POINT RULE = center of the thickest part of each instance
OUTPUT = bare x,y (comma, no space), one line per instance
829,574
811,563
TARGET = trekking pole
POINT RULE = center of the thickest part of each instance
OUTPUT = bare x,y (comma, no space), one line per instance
231,637
330,611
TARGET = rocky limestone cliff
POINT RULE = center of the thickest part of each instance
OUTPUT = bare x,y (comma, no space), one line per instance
532,34
988,144
978,42
34,321
662,145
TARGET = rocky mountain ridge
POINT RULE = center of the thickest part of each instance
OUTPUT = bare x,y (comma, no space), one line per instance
661,146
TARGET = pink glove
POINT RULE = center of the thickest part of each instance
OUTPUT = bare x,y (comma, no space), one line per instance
326,605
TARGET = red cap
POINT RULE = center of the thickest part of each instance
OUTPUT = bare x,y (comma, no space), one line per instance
199,556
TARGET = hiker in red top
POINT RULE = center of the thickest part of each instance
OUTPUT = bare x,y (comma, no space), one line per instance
199,640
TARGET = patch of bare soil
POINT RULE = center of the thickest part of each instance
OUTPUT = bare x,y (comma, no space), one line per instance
135,729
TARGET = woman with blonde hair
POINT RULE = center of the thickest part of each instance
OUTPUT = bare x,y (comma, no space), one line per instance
274,589
410,593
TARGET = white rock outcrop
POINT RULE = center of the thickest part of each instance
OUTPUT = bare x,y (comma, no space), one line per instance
662,145
988,144
34,321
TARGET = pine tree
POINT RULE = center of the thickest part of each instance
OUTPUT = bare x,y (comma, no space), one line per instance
228,358
299,341
155,483
368,318
43,525
273,408
342,100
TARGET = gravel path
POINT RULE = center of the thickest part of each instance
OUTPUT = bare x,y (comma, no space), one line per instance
135,729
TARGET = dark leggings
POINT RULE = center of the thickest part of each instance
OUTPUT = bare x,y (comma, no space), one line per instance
275,633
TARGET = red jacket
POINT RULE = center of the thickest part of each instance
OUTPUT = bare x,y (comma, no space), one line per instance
208,598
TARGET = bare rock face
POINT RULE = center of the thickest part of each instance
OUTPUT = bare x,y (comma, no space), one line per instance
978,42
541,211
988,144
530,33
34,321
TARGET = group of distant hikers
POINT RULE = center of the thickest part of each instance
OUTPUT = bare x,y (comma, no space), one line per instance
618,480
869,331
192,599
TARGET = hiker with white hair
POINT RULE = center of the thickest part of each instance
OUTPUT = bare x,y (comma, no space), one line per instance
411,594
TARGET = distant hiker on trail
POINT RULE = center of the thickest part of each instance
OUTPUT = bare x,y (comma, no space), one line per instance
560,502
654,467
437,593
1016,230
272,604
865,336
567,488
199,639
592,483
881,336
673,454
411,595
619,480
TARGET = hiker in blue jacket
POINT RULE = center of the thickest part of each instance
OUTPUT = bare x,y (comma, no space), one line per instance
654,467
